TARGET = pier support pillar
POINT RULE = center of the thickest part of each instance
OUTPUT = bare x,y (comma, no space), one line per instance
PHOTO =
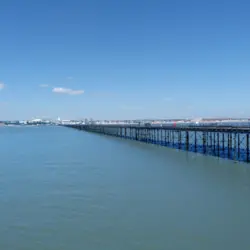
235,147
247,146
195,141
179,139
238,146
223,143
204,142
218,144
187,140
165,137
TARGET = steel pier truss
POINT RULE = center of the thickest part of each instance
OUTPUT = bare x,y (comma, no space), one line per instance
230,143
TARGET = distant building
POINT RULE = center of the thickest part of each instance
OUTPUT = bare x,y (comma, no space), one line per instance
65,121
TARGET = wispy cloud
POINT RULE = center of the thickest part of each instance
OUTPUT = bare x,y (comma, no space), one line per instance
76,92
44,85
2,85
67,91
70,77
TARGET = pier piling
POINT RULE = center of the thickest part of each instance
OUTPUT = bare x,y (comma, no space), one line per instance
226,142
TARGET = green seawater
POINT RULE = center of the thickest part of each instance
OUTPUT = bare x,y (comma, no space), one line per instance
63,189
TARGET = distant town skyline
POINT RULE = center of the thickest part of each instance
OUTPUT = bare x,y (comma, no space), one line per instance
124,59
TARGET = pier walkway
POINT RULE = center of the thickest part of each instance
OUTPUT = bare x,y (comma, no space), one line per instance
226,142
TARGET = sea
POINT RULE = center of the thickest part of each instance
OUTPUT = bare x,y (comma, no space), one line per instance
64,189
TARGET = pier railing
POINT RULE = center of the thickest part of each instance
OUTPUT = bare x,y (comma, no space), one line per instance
226,142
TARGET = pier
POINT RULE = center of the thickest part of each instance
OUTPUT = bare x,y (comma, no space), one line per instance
225,142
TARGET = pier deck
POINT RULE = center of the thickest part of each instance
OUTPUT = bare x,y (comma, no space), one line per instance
221,141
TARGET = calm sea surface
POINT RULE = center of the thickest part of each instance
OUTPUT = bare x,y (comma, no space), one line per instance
62,189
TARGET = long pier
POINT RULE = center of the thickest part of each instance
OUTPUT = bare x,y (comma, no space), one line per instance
225,142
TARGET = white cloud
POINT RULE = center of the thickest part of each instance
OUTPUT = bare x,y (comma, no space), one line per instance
76,92
67,91
44,85
1,85
70,77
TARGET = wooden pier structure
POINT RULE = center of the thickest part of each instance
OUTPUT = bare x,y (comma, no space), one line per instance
225,142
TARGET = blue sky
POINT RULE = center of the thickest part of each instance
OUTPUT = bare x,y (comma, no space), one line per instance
124,59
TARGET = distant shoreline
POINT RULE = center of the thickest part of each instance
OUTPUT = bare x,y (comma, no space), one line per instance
26,125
